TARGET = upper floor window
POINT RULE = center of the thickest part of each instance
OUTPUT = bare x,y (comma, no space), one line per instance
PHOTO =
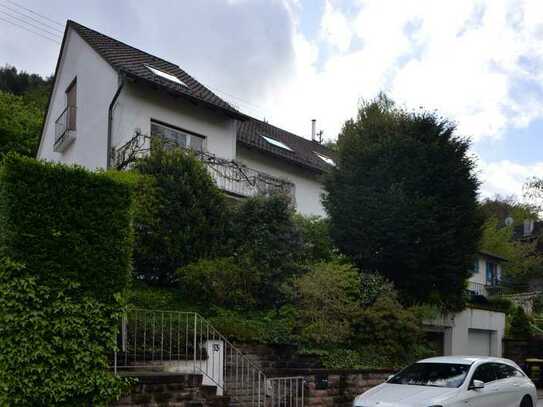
71,103
491,273
66,123
476,266
177,136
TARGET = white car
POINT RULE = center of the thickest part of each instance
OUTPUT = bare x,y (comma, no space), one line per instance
454,381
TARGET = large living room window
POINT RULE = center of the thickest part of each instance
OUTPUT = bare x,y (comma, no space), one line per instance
177,136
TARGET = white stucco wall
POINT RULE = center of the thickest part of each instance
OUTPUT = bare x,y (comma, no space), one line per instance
457,328
308,187
480,276
138,105
96,85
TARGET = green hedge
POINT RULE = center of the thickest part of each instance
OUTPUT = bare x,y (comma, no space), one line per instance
54,344
66,223
65,254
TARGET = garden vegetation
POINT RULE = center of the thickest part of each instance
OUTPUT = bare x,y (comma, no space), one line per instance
65,257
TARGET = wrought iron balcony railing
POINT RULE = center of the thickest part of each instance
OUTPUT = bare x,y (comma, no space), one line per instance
486,290
229,175
65,129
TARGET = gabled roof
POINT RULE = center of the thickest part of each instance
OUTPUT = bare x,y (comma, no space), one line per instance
492,255
303,152
134,63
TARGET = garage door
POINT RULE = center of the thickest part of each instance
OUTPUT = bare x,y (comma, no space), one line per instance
479,342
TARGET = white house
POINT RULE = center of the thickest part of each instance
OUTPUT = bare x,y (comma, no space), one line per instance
473,331
104,91
487,273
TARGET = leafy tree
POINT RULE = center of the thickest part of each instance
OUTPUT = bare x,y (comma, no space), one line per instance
266,241
327,303
501,208
20,125
20,83
374,286
23,99
402,201
524,260
180,214
221,282
388,332
520,324
317,244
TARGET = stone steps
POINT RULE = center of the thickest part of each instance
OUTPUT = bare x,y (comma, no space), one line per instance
155,389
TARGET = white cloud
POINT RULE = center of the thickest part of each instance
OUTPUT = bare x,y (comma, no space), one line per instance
464,58
506,177
479,62
335,27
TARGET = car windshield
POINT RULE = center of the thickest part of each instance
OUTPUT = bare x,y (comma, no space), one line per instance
432,374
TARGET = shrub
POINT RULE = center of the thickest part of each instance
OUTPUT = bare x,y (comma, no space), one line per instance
327,303
388,329
520,324
265,239
148,297
180,214
268,327
500,304
66,223
237,326
54,343
373,286
221,282
317,244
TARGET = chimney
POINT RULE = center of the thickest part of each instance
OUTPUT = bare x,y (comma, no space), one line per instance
528,227
313,129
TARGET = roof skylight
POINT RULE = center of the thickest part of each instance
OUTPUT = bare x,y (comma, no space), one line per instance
327,160
277,143
166,76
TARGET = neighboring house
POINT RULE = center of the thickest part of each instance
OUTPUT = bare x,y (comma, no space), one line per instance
105,91
487,273
473,331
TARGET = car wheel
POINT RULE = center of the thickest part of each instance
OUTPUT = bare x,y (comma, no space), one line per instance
526,402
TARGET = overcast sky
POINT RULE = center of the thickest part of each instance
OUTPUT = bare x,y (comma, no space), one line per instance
480,63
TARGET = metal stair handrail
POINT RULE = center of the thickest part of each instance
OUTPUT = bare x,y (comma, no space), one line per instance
186,342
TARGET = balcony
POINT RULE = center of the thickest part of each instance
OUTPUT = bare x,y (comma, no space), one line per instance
486,290
241,181
65,129
230,176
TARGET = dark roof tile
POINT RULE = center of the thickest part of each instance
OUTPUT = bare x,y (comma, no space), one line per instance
251,132
132,61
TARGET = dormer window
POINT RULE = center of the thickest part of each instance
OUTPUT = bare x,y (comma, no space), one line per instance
66,124
167,76
277,143
326,159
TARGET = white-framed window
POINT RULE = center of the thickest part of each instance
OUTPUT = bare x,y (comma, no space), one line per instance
180,137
